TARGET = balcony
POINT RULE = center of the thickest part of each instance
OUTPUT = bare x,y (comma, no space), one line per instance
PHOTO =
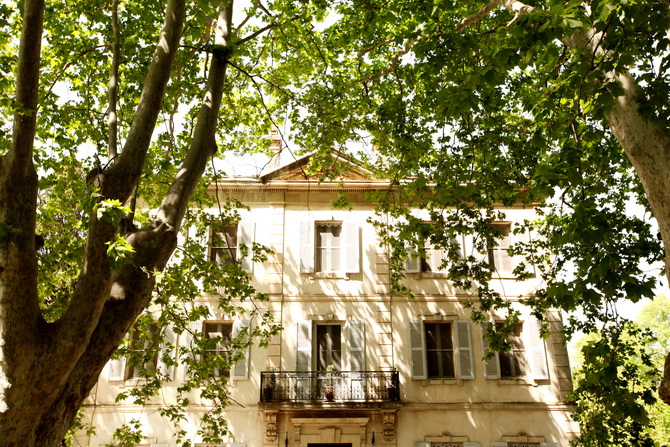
324,387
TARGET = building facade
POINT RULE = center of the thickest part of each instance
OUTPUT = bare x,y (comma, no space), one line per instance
356,365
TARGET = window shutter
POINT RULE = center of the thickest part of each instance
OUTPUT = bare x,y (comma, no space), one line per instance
536,351
356,345
167,349
548,444
246,235
472,444
306,247
418,351
117,369
491,367
434,258
240,370
303,357
194,327
464,343
413,262
352,248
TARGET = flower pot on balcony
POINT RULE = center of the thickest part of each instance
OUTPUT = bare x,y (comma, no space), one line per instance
329,393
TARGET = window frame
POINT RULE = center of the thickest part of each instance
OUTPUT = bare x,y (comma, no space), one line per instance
350,248
534,350
461,340
245,235
219,349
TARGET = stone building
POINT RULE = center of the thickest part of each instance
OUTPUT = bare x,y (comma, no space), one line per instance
355,365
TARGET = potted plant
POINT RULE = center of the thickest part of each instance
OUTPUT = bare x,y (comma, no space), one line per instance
270,385
329,390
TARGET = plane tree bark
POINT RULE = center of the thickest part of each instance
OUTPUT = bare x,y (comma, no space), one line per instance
48,368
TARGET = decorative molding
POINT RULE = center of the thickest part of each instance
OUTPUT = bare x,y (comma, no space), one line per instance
389,425
271,427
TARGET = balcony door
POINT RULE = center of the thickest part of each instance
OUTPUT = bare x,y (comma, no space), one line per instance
328,346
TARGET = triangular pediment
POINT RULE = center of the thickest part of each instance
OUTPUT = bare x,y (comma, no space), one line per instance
343,168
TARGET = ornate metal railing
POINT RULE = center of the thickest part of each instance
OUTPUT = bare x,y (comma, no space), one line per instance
335,386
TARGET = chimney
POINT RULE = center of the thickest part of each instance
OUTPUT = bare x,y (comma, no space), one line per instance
275,148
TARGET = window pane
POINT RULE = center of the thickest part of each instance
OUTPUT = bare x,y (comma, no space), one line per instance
439,350
328,246
223,246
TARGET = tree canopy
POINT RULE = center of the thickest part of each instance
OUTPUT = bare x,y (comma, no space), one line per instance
468,106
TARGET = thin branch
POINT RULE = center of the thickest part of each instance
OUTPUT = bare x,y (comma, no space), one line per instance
112,121
120,179
257,33
203,143
517,7
394,62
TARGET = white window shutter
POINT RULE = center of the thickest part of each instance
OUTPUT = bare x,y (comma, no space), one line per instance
194,327
352,248
472,444
434,257
240,370
417,348
167,348
306,247
117,369
464,343
536,352
246,235
491,367
356,345
303,356
413,262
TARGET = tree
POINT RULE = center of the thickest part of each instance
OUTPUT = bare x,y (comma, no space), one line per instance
98,118
654,317
550,102
474,106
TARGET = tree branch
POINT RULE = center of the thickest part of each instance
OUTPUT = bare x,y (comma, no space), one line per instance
112,121
203,144
517,7
120,179
394,61
95,281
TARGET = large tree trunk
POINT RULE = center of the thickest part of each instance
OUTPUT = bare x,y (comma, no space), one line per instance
648,148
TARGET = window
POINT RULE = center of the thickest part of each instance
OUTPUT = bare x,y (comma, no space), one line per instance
227,242
143,351
222,332
329,247
498,257
223,245
441,349
526,358
513,363
328,346
434,256
327,343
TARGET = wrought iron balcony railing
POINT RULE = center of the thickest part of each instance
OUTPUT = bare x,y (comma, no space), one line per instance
333,386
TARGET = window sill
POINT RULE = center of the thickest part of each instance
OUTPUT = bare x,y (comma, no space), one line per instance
518,381
329,275
428,382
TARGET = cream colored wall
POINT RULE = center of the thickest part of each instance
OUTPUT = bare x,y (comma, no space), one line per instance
479,410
